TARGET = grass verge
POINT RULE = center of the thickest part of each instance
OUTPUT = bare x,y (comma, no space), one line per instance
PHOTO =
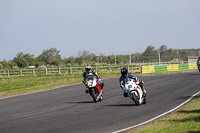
183,120
19,85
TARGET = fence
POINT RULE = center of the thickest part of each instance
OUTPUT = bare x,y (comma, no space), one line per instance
136,68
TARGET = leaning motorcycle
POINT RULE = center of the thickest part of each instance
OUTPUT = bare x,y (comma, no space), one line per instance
135,92
94,88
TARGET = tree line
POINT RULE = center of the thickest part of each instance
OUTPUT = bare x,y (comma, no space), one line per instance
52,57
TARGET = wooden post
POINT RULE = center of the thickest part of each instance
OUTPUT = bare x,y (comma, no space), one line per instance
8,73
33,71
70,70
20,72
46,71
140,69
109,70
59,70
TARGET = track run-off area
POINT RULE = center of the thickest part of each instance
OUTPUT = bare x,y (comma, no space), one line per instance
69,109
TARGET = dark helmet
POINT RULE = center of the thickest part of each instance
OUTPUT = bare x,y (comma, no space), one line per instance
88,68
124,72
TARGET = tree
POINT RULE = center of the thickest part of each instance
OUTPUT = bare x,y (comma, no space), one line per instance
5,64
162,48
119,59
150,54
69,60
83,53
30,59
79,60
50,57
183,56
22,60
136,57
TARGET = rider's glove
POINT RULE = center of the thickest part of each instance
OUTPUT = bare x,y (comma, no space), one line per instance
99,81
122,86
137,82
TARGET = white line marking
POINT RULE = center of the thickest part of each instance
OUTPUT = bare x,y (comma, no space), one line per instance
125,129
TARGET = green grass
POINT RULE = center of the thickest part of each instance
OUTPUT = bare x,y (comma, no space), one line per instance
184,120
18,85
25,84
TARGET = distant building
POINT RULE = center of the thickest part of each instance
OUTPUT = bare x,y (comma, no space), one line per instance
31,67
192,59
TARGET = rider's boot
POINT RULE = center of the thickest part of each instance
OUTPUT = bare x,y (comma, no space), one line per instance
125,94
141,84
144,92
86,91
102,85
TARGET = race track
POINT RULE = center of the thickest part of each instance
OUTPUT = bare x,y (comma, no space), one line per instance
70,110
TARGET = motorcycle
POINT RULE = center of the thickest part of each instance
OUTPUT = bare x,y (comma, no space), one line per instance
135,92
94,88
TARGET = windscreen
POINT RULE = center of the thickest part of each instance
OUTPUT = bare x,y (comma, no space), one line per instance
91,77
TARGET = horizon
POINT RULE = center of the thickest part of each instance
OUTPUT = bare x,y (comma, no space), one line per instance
197,50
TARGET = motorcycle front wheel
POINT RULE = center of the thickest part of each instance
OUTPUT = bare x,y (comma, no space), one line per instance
93,94
144,101
135,99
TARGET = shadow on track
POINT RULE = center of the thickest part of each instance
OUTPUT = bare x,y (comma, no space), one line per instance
120,105
82,102
195,73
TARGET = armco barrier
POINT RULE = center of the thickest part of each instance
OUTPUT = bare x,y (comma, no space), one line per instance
192,66
161,68
148,69
169,68
183,67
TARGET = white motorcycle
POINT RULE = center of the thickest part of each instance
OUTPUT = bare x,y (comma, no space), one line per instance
135,92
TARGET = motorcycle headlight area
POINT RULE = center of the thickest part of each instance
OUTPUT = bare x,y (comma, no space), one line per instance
90,84
130,86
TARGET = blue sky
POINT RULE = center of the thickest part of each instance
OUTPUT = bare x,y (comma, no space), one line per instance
101,27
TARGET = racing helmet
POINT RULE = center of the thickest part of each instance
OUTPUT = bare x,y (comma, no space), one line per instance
88,68
124,72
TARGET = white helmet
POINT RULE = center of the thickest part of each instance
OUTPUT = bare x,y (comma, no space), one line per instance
88,68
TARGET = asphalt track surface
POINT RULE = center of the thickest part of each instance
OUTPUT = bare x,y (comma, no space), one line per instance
69,109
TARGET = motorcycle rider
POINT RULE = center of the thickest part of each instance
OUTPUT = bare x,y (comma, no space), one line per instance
88,69
125,76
